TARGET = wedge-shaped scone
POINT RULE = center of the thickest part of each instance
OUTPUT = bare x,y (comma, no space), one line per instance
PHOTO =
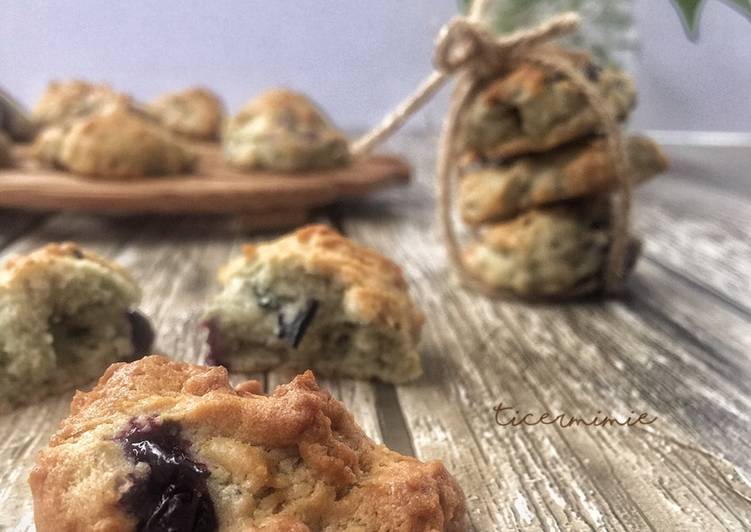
283,130
114,143
63,101
167,446
195,113
503,190
558,251
65,315
532,110
315,299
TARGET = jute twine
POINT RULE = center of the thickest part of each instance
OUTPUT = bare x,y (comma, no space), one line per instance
466,48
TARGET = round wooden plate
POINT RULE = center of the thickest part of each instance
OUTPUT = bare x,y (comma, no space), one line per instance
214,187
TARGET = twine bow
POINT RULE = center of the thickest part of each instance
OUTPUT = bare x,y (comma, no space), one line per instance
467,49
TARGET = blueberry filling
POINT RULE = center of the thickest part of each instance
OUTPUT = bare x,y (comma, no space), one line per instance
173,496
142,335
293,321
593,71
217,352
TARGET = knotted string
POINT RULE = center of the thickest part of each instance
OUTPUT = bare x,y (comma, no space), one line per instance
465,48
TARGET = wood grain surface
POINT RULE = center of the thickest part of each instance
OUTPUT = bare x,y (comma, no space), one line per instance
676,346
214,187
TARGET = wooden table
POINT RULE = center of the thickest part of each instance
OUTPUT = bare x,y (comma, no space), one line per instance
678,347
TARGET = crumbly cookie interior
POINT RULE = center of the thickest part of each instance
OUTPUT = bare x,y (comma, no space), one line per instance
295,319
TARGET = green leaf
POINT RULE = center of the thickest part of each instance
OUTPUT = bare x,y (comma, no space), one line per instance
689,11
742,6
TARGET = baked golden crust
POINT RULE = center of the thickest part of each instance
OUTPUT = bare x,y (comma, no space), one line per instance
376,290
196,113
283,130
532,110
555,251
503,190
115,143
63,101
16,270
292,460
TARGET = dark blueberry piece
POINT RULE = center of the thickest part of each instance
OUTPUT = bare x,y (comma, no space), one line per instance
292,327
593,72
142,334
77,253
173,497
217,352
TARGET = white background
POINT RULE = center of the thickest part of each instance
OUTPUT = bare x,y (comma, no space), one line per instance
356,57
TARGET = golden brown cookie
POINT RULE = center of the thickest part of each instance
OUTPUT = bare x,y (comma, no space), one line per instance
162,445
558,251
533,110
503,190
65,315
195,113
315,299
63,101
114,143
282,130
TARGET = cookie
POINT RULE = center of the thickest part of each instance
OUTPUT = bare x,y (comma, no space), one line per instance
163,445
503,190
533,110
63,101
6,158
283,131
114,143
65,315
195,113
15,122
558,251
315,299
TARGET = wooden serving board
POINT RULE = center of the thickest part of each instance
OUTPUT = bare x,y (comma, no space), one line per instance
264,199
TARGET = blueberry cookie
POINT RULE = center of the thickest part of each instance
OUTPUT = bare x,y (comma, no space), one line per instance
315,299
113,143
63,101
195,113
503,190
159,445
65,315
534,110
283,130
558,251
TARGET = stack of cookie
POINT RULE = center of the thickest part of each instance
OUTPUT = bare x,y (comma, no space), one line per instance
536,177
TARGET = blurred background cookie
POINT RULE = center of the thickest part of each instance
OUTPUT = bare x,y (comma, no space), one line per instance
532,109
315,299
557,251
113,143
504,189
65,315
195,113
66,100
283,130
